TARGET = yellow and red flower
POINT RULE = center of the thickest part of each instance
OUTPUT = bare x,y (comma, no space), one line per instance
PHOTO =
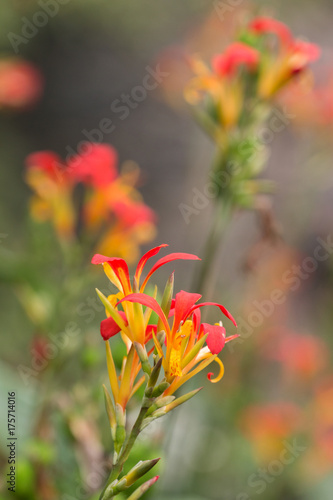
132,321
249,70
184,354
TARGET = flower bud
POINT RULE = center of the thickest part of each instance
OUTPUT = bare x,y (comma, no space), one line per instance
159,403
182,399
120,431
160,389
143,488
139,470
155,373
110,411
143,356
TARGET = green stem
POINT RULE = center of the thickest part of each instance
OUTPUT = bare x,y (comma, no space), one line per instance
128,445
220,219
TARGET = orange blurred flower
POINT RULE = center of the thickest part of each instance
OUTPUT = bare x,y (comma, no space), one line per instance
21,84
302,356
267,426
319,460
311,105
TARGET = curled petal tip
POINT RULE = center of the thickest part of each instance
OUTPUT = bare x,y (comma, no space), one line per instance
99,259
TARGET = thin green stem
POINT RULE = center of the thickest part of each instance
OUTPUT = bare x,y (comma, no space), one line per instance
128,445
219,222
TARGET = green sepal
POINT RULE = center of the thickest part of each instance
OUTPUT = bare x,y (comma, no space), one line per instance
166,300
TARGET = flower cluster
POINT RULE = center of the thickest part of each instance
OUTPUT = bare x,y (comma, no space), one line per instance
232,101
110,210
172,344
178,343
252,68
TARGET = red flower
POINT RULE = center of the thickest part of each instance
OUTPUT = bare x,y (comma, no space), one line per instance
97,168
301,355
263,25
21,84
292,57
236,55
303,54
117,271
49,163
186,333
112,210
185,355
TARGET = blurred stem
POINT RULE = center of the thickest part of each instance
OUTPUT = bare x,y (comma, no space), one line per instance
220,219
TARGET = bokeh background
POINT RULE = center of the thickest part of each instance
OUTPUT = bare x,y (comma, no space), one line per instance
89,54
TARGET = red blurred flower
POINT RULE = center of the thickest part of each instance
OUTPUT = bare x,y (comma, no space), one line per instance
293,56
263,25
237,54
267,426
21,84
223,84
301,355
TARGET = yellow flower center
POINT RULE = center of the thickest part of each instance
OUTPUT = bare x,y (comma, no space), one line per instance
176,351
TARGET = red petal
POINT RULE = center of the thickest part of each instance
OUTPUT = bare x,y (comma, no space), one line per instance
146,300
97,167
209,375
144,259
172,308
132,213
47,161
184,301
309,51
109,327
236,54
120,269
168,258
149,330
269,25
99,259
216,337
118,266
196,319
232,337
222,308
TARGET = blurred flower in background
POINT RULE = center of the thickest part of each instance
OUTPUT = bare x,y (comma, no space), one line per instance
21,84
269,425
110,213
